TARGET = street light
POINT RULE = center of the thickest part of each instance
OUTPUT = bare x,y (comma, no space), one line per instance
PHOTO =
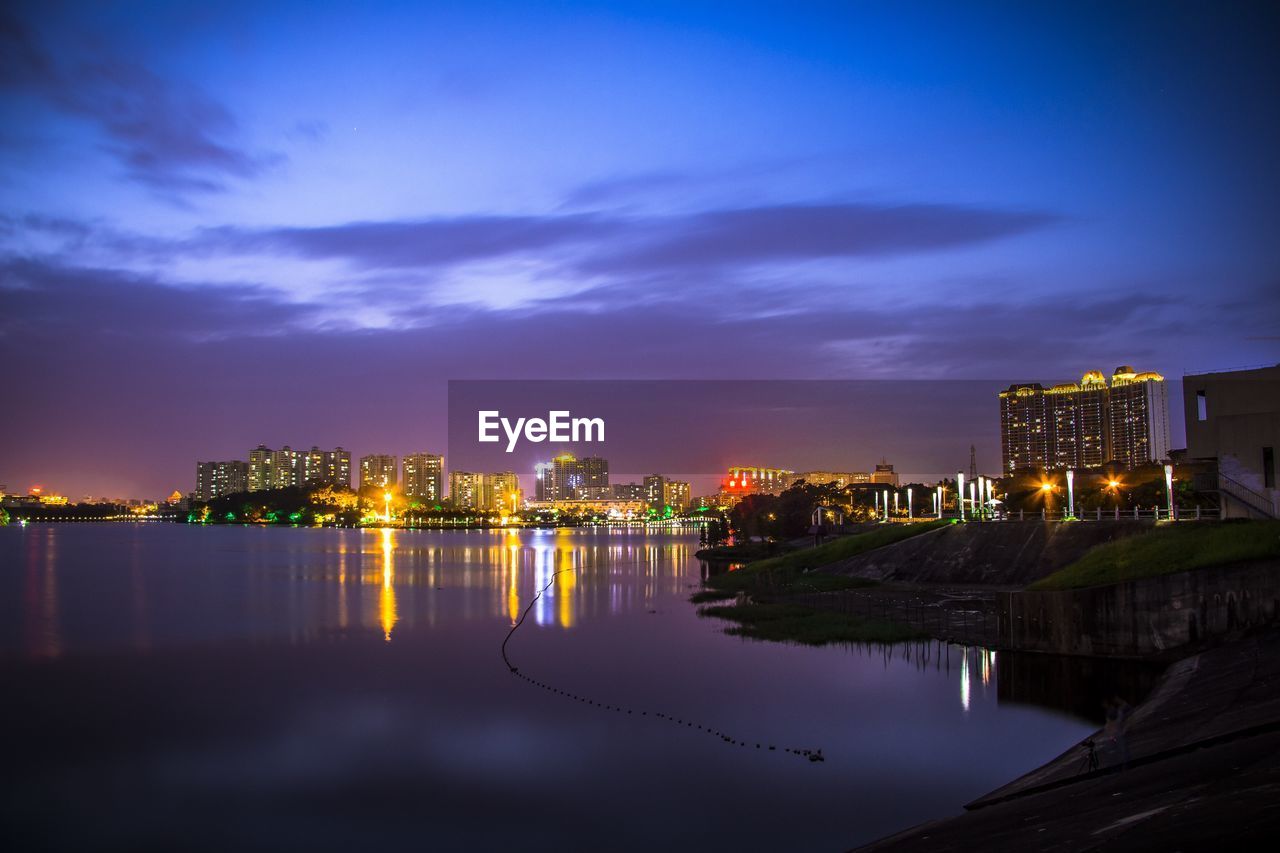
960,493
1168,488
1071,494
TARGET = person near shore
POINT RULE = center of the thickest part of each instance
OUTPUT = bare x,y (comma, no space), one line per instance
1117,720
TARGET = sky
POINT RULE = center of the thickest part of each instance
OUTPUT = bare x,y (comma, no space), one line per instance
293,223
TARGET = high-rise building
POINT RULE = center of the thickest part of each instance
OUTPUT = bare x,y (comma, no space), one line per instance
378,470
1139,418
544,487
278,469
502,492
467,489
675,494
327,467
566,475
287,467
259,468
215,479
1085,425
654,490
424,477
1024,435
629,492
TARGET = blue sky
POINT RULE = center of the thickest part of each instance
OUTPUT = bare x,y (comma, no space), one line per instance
258,200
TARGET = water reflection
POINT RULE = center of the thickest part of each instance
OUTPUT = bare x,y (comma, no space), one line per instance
387,599
268,683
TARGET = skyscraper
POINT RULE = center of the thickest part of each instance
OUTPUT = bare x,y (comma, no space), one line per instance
1139,417
424,476
1085,425
378,470
215,479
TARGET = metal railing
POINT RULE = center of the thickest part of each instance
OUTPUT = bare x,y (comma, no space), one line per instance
1238,491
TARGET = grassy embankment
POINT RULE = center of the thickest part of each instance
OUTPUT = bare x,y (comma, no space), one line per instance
1168,550
743,552
769,613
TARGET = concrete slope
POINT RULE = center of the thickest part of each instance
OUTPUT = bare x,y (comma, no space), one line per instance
1007,553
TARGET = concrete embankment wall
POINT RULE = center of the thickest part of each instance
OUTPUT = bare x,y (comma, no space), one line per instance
1142,617
1006,553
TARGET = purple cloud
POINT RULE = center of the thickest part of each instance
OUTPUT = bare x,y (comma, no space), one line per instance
172,138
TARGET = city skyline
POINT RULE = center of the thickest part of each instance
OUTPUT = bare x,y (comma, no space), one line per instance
285,210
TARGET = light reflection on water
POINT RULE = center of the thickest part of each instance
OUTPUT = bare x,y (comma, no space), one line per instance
312,683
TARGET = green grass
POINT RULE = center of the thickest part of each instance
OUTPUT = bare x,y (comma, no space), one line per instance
785,622
791,572
1168,550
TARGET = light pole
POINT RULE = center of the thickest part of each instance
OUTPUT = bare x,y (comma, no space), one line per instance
1168,488
960,493
937,501
895,502
1071,494
909,516
386,503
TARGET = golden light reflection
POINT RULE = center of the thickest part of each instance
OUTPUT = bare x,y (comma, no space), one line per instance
513,576
387,599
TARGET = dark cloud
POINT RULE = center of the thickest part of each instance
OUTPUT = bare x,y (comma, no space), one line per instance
803,232
173,138
599,243
41,300
402,244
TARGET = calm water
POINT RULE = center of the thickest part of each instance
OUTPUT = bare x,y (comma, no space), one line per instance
170,687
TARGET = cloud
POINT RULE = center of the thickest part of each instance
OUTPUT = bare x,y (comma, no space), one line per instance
170,137
46,301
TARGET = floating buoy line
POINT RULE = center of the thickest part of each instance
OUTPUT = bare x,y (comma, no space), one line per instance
814,755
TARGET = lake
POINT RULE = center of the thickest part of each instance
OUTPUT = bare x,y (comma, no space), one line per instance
183,687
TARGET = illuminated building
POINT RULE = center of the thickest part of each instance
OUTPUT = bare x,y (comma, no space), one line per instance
654,493
1024,435
544,475
327,467
423,476
287,467
215,479
378,470
1085,425
834,478
675,494
502,492
1139,418
745,480
884,474
466,489
566,474
259,468
279,469
629,492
